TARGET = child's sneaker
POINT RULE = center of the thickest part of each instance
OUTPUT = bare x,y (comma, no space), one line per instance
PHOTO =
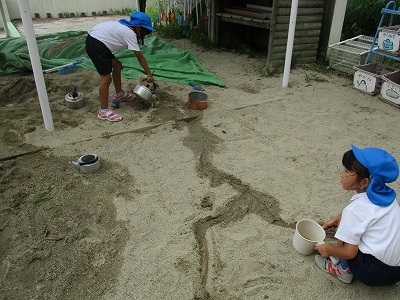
115,103
109,115
336,270
120,97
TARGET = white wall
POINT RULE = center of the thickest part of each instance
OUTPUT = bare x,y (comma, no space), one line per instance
69,6
337,21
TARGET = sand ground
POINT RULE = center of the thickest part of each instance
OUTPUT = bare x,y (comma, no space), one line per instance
187,204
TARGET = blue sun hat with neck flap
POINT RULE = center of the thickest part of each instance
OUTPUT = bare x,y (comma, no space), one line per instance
383,169
138,18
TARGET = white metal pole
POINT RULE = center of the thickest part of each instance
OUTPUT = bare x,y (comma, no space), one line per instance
289,47
184,12
27,24
197,14
3,16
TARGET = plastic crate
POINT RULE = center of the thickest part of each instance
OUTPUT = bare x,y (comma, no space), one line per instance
390,90
352,52
368,78
389,39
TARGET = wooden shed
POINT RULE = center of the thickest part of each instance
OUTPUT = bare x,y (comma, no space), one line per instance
264,24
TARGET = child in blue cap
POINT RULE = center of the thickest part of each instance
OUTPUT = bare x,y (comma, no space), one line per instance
102,41
368,229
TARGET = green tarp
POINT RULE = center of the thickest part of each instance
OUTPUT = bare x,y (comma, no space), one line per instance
168,62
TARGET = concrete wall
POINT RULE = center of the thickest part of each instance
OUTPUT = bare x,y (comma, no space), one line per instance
42,7
337,21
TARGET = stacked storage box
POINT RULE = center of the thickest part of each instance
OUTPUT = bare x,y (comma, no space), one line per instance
352,52
389,39
368,78
390,91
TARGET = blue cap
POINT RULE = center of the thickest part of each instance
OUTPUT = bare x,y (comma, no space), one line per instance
383,169
138,18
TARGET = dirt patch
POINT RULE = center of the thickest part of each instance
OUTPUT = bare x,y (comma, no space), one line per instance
187,204
57,240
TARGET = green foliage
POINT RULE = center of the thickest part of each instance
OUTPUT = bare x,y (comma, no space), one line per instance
171,31
197,35
124,12
43,196
152,11
314,77
269,72
292,83
363,16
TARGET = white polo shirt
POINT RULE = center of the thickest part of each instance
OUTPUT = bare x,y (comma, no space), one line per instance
115,36
375,229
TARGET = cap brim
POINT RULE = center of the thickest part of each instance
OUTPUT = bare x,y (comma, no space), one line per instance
149,28
359,155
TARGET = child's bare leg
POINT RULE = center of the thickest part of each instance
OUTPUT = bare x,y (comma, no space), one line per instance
105,81
116,75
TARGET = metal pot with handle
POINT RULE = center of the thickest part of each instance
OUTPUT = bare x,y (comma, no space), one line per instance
143,93
87,163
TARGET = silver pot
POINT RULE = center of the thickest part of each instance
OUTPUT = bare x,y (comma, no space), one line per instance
143,93
87,163
75,102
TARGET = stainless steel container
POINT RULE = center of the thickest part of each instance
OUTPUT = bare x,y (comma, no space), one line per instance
87,163
143,92
75,102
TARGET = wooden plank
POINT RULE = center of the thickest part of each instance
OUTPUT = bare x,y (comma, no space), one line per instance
271,35
266,24
305,40
297,34
302,3
303,60
300,19
212,20
300,11
233,16
299,26
301,47
297,54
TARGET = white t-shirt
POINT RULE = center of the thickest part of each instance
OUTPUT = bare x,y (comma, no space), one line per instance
115,36
375,229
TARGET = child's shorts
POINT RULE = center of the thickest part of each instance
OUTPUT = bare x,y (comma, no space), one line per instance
371,271
100,55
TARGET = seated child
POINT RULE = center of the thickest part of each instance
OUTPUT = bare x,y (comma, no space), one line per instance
368,229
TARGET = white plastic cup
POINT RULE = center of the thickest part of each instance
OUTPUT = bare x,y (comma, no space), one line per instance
308,233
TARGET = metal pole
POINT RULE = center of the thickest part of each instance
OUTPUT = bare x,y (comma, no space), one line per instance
27,23
3,16
289,47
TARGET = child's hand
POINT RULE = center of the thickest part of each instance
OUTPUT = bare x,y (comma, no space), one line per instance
329,224
330,229
332,224
323,250
150,78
